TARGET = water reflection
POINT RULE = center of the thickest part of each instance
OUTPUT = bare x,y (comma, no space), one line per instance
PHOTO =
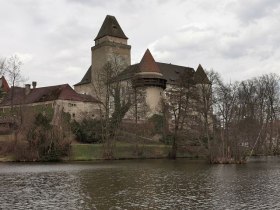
148,184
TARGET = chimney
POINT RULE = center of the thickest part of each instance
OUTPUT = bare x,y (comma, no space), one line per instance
34,84
27,89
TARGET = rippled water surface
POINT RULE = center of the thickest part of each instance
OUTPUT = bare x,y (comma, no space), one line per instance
146,184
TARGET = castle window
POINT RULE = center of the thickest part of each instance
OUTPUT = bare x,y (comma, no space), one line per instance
70,104
73,115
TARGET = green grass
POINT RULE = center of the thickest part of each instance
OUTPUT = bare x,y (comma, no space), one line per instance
6,158
86,152
121,151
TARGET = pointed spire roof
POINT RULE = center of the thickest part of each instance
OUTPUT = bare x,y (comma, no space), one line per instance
200,76
148,63
110,27
4,86
86,79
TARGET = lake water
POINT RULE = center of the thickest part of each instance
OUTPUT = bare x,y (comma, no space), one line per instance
141,184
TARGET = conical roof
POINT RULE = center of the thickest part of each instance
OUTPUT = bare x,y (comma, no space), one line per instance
4,84
200,76
86,79
110,27
148,63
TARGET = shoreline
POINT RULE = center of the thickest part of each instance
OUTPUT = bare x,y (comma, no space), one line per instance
122,151
7,160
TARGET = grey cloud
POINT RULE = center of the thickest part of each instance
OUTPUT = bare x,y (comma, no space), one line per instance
68,32
250,11
238,39
87,3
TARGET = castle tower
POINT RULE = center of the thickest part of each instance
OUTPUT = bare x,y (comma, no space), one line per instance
150,79
110,45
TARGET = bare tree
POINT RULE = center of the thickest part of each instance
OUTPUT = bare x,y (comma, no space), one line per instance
2,72
248,112
270,105
204,106
113,104
2,66
226,105
178,103
259,102
13,71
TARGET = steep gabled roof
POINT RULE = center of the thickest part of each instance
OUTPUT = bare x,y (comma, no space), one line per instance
4,84
170,72
110,27
148,64
200,76
86,79
44,94
128,73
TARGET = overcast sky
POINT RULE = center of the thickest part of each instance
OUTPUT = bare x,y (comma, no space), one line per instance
238,38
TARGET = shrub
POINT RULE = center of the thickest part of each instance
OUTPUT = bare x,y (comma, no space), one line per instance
87,131
157,122
45,140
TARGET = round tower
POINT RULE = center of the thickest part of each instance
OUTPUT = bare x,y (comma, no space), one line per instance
150,79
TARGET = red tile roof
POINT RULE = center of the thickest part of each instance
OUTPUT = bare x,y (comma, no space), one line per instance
148,64
4,84
44,94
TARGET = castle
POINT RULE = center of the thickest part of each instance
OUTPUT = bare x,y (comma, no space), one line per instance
146,82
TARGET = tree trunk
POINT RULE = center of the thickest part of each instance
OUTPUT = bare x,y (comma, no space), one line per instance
173,153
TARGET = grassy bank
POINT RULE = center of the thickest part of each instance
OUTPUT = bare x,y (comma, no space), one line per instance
6,148
84,152
123,151
6,158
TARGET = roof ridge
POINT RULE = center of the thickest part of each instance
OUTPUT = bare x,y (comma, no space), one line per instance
174,65
65,84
